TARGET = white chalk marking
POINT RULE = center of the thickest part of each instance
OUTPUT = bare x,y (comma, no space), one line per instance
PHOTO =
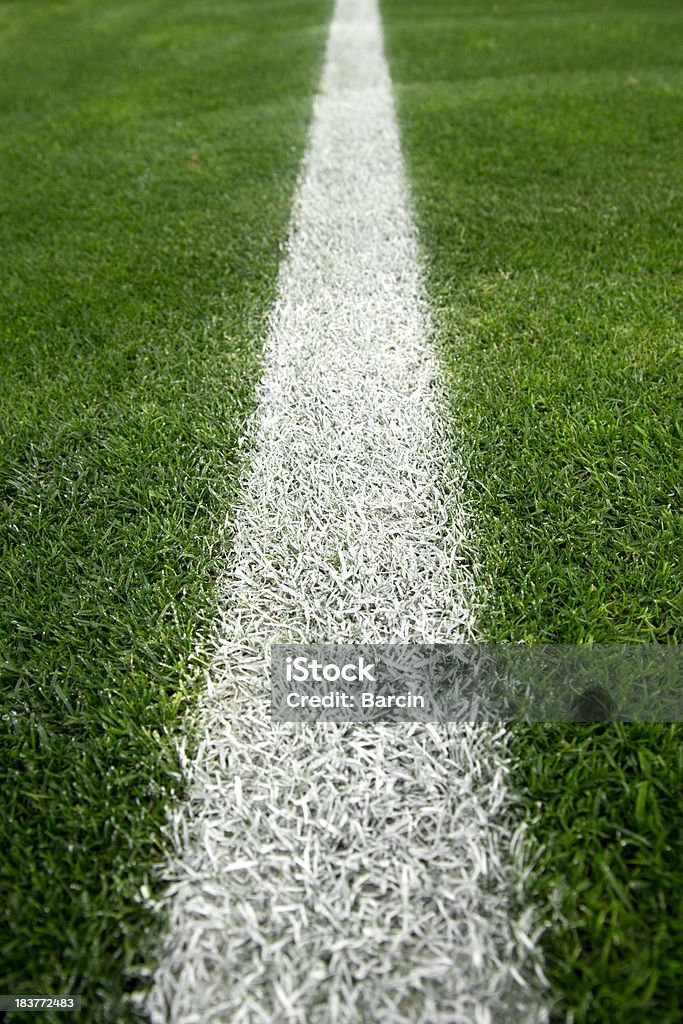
344,874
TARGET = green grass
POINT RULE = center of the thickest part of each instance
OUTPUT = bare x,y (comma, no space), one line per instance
605,802
544,148
548,172
148,152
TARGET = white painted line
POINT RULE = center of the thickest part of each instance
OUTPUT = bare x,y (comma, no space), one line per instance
327,873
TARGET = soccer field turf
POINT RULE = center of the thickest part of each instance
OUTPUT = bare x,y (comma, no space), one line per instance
149,153
547,164
545,150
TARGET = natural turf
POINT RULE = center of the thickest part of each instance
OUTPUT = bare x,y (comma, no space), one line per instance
545,153
546,157
605,805
148,153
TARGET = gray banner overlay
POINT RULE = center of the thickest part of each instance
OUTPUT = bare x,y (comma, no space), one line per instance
476,683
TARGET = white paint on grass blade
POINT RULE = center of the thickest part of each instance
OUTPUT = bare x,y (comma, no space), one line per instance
328,873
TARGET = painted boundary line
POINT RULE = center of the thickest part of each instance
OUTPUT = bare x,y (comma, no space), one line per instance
326,874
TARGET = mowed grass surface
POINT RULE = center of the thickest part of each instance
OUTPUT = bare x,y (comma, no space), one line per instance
546,159
148,152
547,156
